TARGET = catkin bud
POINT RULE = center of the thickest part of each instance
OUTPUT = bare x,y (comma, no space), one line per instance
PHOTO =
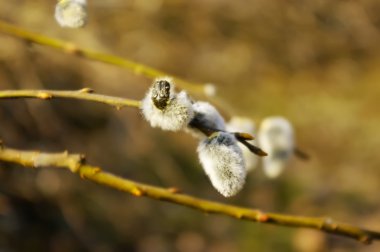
71,13
246,125
223,162
205,116
276,138
162,107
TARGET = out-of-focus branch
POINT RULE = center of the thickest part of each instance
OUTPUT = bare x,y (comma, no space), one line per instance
76,164
70,48
82,94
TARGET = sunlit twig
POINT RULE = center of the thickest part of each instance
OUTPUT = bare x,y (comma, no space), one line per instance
76,164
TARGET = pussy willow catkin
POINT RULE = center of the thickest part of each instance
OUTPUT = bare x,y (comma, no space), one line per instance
223,162
71,13
277,139
162,107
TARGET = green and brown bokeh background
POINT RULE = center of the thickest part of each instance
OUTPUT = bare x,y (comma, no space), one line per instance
315,62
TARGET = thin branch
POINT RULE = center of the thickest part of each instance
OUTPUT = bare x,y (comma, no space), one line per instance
76,164
70,48
82,94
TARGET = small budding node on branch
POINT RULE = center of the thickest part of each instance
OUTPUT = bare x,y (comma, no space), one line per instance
243,124
72,49
277,139
136,192
261,217
162,107
44,96
71,13
86,90
223,162
174,190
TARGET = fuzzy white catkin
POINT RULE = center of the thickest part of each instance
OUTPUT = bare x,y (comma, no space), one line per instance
175,116
71,13
245,125
223,162
207,116
276,137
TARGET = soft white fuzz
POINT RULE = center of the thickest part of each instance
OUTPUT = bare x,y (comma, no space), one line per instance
207,116
175,116
244,125
276,138
223,162
71,13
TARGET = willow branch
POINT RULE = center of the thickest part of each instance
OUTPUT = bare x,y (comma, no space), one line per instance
76,164
70,48
82,94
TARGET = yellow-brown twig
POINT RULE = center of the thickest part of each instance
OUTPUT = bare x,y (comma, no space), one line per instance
82,94
70,48
75,163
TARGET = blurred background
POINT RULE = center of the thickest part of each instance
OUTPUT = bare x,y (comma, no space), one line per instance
315,62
